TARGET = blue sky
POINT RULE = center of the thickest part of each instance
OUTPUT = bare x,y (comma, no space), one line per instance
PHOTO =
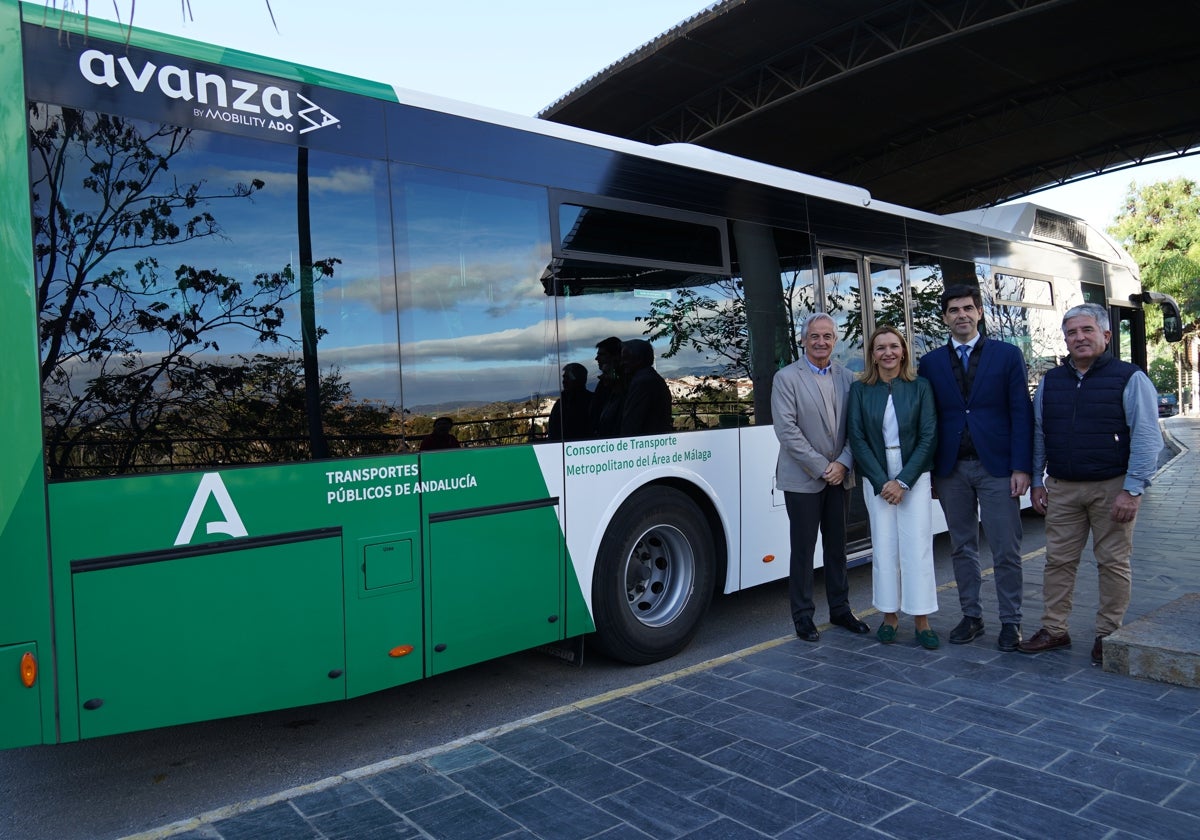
514,55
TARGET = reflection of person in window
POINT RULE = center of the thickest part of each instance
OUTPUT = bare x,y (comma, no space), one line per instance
610,389
440,437
647,408
570,418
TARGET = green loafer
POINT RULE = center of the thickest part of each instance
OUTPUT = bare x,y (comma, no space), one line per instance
886,634
928,639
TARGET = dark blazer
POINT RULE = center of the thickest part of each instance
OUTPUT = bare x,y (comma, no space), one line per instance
647,406
997,410
916,417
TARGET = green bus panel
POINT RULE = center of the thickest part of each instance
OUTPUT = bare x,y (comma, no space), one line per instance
496,585
208,636
384,619
24,566
21,720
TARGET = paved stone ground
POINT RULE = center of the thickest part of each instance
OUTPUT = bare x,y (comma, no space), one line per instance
846,738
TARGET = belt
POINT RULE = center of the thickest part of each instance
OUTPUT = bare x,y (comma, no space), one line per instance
891,447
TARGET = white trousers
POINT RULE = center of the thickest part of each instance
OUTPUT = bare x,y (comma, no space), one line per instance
902,576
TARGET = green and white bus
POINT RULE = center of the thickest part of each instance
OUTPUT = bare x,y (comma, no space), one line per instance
235,292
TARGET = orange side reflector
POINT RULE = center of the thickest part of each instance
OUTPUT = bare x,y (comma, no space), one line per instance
768,558
402,650
28,670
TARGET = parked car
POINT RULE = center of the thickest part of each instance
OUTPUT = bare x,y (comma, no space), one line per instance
1168,405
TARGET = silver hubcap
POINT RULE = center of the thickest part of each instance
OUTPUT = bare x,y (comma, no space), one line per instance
660,573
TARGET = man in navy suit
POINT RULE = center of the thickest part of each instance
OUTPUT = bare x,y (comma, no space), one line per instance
984,458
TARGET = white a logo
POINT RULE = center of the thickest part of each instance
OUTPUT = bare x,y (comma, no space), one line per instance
322,119
211,485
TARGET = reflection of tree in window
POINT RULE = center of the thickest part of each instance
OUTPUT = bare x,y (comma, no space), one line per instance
714,325
1034,329
722,321
132,369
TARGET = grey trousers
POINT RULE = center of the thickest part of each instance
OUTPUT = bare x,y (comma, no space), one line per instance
970,496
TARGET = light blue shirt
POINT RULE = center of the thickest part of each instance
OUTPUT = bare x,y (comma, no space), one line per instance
974,341
1145,437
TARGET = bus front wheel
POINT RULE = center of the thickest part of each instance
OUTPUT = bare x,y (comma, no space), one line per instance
654,576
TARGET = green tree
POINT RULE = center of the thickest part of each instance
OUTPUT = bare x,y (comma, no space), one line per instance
1163,375
1159,225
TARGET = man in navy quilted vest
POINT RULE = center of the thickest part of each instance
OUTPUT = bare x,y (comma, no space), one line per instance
1096,442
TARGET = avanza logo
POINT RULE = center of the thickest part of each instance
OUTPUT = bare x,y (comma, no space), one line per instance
250,100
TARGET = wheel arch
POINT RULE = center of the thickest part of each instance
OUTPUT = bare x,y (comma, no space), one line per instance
712,515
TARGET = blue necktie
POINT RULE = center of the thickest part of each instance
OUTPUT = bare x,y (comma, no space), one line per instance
964,353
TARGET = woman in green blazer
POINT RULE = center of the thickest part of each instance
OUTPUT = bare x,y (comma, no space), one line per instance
892,430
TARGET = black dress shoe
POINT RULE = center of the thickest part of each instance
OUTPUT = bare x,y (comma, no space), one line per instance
807,631
1010,637
1098,651
967,629
851,623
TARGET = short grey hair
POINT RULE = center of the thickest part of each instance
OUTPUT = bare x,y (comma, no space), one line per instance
816,316
1090,310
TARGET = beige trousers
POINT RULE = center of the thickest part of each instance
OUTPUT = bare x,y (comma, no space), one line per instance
1073,510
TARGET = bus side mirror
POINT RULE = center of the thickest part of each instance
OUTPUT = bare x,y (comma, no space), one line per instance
1172,323
1172,320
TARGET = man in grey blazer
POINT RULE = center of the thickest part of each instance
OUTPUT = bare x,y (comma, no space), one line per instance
808,407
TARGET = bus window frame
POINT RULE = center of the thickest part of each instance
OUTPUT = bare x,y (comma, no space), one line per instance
559,197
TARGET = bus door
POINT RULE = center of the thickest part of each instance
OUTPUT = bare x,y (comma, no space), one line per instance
860,291
1129,334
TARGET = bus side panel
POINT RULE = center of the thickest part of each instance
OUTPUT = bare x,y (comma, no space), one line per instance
578,616
766,547
496,556
602,474
384,626
206,636
26,714
195,559
188,562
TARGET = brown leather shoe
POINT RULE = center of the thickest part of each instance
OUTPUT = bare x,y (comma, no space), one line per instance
1044,640
1098,651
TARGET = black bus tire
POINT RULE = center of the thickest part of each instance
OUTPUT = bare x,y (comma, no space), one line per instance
654,576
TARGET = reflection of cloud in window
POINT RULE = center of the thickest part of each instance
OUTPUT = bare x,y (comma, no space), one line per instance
280,176
533,343
360,356
342,179
584,334
506,281
373,292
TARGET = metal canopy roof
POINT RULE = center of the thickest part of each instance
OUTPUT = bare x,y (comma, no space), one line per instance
940,105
